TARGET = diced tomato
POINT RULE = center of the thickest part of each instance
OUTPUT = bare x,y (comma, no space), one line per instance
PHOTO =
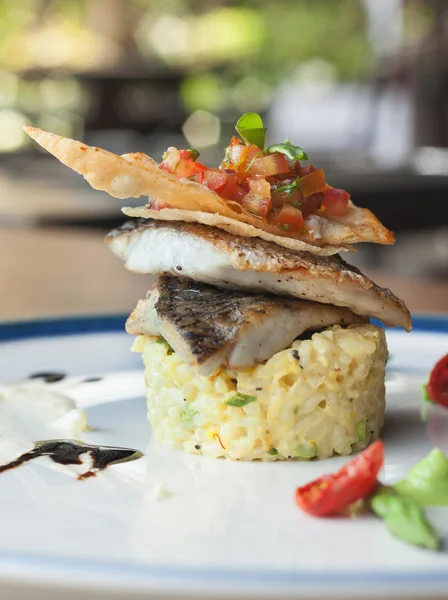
331,494
293,197
259,185
313,183
189,154
305,170
170,160
257,204
290,218
158,204
198,177
437,387
229,188
185,168
238,194
312,204
335,202
239,156
270,165
215,179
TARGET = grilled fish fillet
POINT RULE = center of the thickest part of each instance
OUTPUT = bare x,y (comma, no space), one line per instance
209,326
213,256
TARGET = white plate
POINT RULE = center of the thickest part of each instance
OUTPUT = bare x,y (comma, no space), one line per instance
226,529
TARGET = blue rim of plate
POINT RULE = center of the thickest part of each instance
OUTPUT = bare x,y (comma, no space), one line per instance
19,330
74,569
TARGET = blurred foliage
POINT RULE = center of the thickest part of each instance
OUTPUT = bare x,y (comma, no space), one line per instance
229,54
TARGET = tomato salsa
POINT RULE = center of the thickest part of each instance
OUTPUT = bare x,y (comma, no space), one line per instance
270,183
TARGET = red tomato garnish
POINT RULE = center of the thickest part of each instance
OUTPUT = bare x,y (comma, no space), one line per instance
215,179
290,218
257,204
238,194
335,202
170,160
313,183
437,387
229,188
306,170
312,204
294,197
330,494
268,166
260,186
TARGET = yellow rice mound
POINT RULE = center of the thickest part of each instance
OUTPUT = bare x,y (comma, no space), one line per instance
321,396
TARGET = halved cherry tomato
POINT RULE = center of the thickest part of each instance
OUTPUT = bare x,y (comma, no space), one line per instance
268,166
313,183
215,179
335,202
330,494
290,218
257,204
437,387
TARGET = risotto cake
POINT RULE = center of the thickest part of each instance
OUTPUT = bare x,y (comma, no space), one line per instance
318,397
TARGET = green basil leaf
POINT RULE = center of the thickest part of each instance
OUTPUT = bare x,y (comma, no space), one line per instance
250,128
405,519
273,451
289,150
427,481
240,400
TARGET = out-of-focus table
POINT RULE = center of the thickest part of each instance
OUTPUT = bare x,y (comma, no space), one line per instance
47,272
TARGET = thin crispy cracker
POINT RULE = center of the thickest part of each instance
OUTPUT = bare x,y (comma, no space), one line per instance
134,175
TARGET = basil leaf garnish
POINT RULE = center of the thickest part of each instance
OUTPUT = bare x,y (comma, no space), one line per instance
250,128
289,150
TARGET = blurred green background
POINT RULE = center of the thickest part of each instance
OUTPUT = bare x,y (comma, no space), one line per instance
361,85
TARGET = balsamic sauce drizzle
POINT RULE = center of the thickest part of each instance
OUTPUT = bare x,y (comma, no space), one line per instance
69,452
49,377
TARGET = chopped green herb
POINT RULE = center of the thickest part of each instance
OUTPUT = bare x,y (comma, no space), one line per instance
361,429
404,518
250,128
162,341
187,414
289,188
285,226
273,451
427,481
194,154
307,451
289,150
240,400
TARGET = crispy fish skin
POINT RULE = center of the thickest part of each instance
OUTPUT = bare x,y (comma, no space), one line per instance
209,327
213,256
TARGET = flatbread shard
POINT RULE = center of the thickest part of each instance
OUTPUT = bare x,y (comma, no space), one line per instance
134,175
